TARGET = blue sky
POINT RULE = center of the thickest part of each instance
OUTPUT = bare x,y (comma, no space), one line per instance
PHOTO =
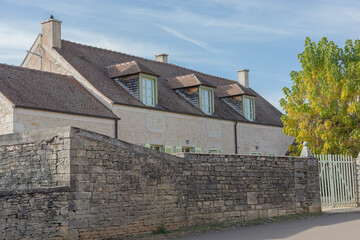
217,37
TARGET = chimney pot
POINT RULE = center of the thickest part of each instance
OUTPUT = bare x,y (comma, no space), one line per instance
51,33
243,78
163,57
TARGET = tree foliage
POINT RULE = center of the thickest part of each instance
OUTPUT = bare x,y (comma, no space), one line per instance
323,105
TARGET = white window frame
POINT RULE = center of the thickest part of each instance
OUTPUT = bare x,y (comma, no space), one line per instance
145,97
249,110
206,104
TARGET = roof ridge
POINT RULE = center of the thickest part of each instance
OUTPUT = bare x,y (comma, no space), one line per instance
146,59
33,70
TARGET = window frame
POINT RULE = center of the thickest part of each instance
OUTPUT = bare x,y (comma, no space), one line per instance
191,149
211,90
155,95
154,146
252,101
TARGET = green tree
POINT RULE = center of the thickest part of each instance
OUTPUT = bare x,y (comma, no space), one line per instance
322,107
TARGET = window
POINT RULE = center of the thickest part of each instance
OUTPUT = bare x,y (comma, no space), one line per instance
188,149
148,91
157,147
206,100
249,108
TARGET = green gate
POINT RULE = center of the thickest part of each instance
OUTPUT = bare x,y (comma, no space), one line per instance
337,181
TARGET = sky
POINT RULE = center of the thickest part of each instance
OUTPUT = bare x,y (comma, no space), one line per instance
217,37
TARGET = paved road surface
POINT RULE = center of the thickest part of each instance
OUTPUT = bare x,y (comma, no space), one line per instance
345,226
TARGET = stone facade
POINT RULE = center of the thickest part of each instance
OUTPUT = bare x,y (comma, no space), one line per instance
6,116
93,187
28,119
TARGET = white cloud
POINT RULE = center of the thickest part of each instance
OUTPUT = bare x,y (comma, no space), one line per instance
12,36
181,36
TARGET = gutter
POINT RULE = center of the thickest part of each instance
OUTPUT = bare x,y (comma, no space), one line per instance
236,140
116,128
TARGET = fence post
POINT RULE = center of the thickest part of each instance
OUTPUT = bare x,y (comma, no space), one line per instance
357,179
306,150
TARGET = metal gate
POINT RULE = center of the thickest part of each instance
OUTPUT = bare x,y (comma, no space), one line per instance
337,181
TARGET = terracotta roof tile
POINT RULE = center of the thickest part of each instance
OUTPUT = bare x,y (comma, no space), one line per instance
48,91
189,80
231,90
128,68
92,61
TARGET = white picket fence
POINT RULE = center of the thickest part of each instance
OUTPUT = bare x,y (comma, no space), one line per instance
337,181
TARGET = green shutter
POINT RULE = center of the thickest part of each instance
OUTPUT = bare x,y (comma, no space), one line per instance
214,150
256,153
168,149
147,145
178,149
197,150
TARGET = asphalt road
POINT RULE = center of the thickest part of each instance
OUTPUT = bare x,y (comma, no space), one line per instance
343,226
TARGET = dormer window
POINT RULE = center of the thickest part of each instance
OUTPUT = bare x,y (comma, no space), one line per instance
240,99
137,80
206,100
196,90
249,108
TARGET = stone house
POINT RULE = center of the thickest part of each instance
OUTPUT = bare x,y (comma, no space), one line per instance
159,105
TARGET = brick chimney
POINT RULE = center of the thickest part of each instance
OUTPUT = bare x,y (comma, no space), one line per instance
243,78
51,33
163,57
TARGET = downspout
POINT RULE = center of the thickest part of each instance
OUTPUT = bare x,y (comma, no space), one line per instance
236,142
116,128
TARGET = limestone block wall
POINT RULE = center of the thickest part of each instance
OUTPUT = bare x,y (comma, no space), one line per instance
29,161
122,189
6,116
118,189
34,184
36,214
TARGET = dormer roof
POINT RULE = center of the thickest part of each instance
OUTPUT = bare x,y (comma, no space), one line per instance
186,81
128,68
232,90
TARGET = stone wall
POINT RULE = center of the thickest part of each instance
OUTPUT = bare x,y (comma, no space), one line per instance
118,189
6,116
30,161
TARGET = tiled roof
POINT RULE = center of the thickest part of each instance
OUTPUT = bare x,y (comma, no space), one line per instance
231,90
128,68
190,80
91,62
35,89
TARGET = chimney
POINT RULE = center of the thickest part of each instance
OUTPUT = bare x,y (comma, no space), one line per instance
163,57
243,78
51,33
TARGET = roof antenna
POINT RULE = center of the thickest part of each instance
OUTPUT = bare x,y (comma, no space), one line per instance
51,17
